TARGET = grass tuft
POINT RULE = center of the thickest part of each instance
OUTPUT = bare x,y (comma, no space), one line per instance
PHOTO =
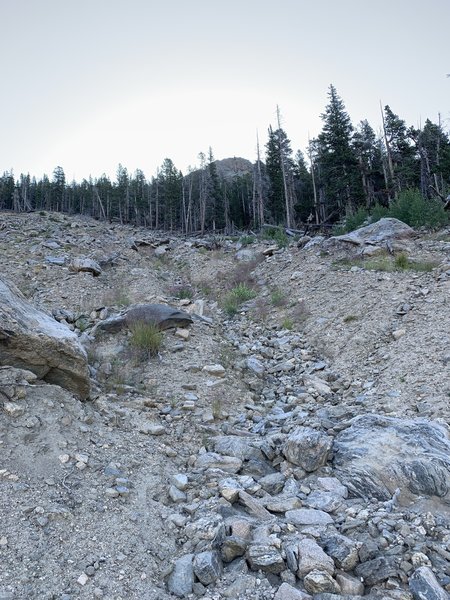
146,339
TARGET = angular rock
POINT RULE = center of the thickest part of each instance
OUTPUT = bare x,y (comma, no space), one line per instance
311,557
377,455
332,484
307,448
32,340
317,582
214,370
264,557
233,445
288,592
383,232
232,547
377,570
273,483
208,567
254,507
308,516
181,579
86,265
212,460
351,586
423,585
326,501
161,315
342,550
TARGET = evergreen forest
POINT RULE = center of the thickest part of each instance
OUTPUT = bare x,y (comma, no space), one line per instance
346,170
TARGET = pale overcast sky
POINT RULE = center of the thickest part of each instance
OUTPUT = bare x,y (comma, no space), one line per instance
89,84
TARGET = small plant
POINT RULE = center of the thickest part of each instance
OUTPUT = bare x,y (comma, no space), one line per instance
237,296
278,297
182,291
146,339
287,323
350,318
278,235
401,261
246,240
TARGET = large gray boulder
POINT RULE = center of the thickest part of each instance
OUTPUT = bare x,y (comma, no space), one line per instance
382,233
31,339
161,315
378,455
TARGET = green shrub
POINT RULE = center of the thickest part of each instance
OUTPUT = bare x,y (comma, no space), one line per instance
237,296
246,240
278,235
353,220
414,210
146,339
278,297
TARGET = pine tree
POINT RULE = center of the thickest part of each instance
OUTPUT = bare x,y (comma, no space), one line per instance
339,181
279,168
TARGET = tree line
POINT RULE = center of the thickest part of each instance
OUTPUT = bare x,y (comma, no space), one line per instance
344,169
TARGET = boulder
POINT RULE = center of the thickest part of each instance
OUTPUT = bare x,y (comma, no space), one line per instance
181,580
307,448
86,265
378,455
162,315
424,585
384,232
33,340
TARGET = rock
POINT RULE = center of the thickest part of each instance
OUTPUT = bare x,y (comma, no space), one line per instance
208,567
332,484
254,507
176,495
424,586
342,549
272,483
308,516
264,557
255,365
180,481
317,582
376,570
181,579
162,315
311,557
232,547
212,460
86,265
326,501
32,340
307,448
282,504
377,455
350,585
214,370
384,232
239,447
287,592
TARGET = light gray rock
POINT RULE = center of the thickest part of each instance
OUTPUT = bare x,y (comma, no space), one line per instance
86,265
350,585
264,557
180,481
377,455
308,516
233,445
288,592
307,448
255,365
272,483
311,557
326,501
208,567
181,579
212,460
424,585
317,582
254,506
383,232
32,340
333,485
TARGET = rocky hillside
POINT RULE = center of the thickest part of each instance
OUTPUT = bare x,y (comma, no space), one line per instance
193,418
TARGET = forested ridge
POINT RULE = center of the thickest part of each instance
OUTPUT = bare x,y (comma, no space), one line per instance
345,169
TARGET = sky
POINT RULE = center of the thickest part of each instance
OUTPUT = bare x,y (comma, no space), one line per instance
89,84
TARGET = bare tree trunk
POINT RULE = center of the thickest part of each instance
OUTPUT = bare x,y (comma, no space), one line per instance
389,156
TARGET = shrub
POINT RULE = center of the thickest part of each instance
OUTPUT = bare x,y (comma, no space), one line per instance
181,291
278,297
146,339
414,210
241,293
278,235
353,220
